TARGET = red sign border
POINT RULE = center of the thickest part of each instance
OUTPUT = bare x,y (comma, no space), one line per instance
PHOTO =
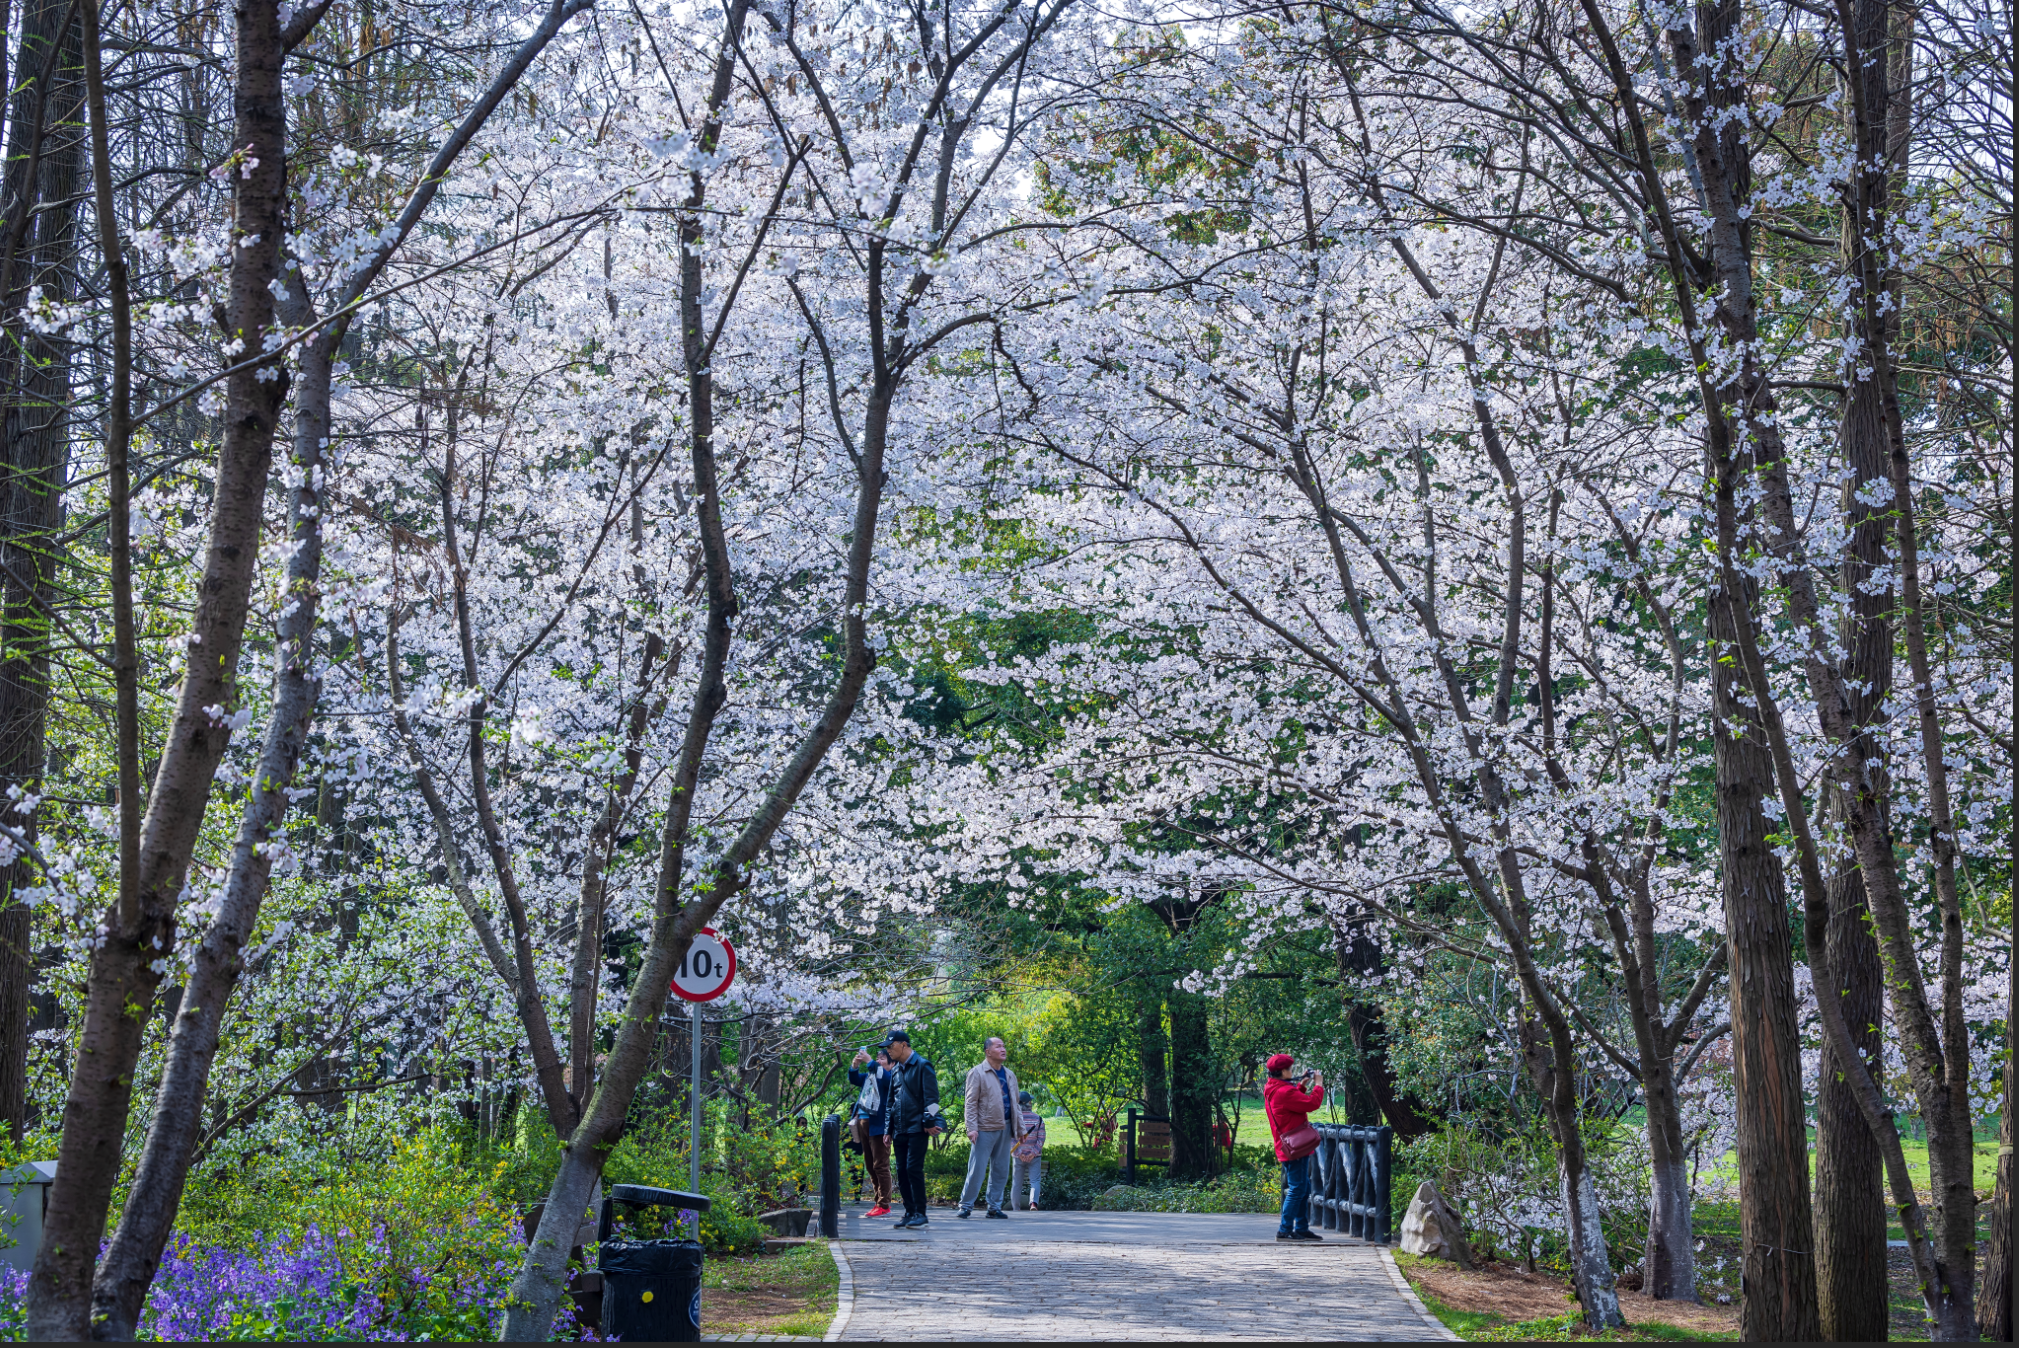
686,996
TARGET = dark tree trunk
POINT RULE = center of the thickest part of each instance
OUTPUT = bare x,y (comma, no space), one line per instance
1851,1287
1778,1280
1195,1088
1153,1049
1357,954
1404,1113
1994,1308
140,927
34,421
1851,1276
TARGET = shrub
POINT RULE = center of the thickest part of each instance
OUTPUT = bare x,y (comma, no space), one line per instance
1236,1191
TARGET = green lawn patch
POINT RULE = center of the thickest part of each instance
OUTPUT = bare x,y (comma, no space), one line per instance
790,1292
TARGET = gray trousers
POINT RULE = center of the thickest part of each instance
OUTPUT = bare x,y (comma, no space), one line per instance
989,1157
1023,1194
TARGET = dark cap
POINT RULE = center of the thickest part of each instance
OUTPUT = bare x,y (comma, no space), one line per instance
1024,1097
894,1037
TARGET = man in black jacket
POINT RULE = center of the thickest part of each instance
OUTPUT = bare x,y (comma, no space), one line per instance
914,1117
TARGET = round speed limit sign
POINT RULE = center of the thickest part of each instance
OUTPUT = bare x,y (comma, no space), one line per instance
708,970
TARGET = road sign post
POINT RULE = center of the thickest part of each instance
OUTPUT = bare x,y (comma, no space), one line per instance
706,973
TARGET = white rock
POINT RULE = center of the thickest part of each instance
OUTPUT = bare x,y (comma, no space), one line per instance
1430,1228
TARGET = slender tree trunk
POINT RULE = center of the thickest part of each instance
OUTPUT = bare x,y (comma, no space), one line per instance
134,1254
1994,1306
1935,1032
1670,1263
34,455
1851,1286
1550,1056
1152,1050
1777,1281
140,929
1195,1087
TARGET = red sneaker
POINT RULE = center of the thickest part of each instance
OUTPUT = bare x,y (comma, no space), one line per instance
880,1210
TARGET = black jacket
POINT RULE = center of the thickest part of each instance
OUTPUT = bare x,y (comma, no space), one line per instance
914,1098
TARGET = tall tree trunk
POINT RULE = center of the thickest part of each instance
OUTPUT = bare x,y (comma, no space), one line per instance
1778,1280
1152,1051
1994,1306
1851,1286
140,928
1195,1087
134,1254
1994,1310
44,151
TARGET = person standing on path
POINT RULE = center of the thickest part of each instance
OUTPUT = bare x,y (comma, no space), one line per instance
914,1118
1288,1105
872,1107
1029,1153
993,1126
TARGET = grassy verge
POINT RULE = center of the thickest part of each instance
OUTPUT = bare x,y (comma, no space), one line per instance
791,1292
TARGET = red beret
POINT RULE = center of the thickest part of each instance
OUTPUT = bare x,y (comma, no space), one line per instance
1280,1062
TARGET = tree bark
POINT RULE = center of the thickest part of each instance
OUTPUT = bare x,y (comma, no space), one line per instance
126,967
134,1254
1670,1262
1152,1050
1777,1280
44,151
1994,1306
1195,1088
1367,1025
1851,1287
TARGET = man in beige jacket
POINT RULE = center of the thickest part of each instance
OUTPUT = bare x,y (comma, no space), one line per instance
994,1123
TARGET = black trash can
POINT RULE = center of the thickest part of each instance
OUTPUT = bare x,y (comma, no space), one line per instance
651,1288
651,1291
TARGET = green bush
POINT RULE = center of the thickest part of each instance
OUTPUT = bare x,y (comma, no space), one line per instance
1235,1191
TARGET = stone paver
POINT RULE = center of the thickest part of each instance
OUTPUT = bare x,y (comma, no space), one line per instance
1065,1276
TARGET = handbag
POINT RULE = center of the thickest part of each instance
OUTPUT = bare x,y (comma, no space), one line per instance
1299,1142
858,1130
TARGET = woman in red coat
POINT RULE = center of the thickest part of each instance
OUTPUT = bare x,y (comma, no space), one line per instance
1288,1105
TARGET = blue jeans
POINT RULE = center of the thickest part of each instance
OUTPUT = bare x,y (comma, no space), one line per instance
1296,1196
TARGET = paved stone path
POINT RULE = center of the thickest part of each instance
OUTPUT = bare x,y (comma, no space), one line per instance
1078,1275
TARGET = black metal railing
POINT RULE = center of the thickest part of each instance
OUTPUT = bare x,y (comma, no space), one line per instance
1350,1180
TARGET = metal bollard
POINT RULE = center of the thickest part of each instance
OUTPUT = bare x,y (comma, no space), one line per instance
830,1176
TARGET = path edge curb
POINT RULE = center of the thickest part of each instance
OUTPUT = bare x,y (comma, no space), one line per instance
1443,1330
844,1295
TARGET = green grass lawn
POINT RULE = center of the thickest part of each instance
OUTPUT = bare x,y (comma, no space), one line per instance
791,1292
1984,1168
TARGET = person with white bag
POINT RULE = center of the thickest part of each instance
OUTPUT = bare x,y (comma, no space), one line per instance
870,1123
